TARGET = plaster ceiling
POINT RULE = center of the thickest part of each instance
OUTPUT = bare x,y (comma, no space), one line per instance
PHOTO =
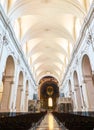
47,31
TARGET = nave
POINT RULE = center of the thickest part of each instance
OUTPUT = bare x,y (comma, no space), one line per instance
46,57
46,64
48,123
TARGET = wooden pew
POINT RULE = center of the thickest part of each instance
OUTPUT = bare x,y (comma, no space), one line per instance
20,121
75,121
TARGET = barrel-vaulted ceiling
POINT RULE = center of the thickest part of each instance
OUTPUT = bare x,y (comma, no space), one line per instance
47,31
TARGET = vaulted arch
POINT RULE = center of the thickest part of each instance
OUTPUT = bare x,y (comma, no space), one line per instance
77,91
49,58
45,30
41,46
7,81
19,92
53,66
43,73
30,6
89,83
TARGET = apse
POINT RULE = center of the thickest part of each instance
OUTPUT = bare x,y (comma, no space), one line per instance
49,93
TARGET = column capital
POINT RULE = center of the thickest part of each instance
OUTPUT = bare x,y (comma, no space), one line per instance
27,93
20,87
8,78
87,78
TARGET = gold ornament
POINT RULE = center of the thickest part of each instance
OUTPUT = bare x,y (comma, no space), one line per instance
50,90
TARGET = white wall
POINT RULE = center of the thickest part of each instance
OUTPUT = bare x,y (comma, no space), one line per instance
83,46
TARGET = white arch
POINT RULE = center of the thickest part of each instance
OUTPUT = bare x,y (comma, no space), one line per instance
23,7
43,75
45,57
47,66
37,30
54,46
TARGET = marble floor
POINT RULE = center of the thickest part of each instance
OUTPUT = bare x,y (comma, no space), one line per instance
48,123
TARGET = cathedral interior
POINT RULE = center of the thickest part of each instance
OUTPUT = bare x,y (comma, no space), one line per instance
47,64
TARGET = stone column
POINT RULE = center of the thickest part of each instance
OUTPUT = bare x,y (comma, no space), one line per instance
85,97
78,96
18,99
7,87
72,98
11,104
83,100
75,100
88,92
26,102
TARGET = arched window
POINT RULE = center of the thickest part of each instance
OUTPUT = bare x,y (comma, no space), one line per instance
50,102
